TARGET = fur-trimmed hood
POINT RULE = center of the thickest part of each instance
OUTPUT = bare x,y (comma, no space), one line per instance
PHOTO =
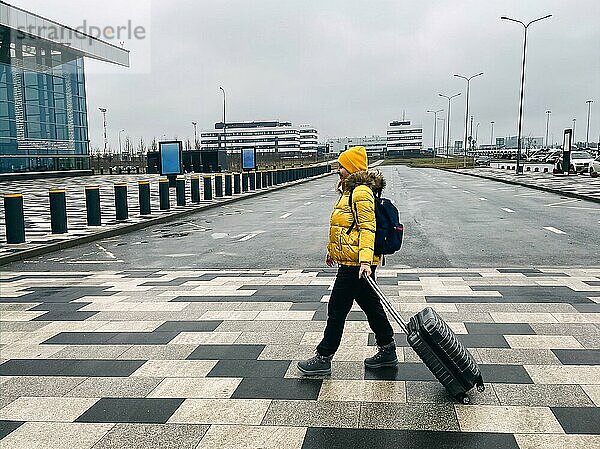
371,178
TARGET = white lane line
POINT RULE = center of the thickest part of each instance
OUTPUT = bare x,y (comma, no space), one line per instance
506,209
562,202
527,194
466,191
556,231
483,199
308,203
454,187
248,237
107,252
284,216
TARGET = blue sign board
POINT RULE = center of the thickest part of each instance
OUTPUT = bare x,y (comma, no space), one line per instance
248,158
170,158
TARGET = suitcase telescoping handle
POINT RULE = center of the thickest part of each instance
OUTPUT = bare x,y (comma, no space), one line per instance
387,305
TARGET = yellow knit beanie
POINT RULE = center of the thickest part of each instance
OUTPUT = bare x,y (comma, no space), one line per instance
354,159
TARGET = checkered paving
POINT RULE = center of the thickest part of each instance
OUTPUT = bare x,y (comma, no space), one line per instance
578,184
207,359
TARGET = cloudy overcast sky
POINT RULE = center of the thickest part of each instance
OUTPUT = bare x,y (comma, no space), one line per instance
347,67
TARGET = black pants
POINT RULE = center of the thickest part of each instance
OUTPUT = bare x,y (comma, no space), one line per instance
347,288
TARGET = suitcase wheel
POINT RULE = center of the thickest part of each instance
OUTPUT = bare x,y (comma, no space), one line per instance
481,388
464,399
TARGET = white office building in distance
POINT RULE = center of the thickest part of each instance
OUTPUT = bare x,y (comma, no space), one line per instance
404,139
375,145
271,136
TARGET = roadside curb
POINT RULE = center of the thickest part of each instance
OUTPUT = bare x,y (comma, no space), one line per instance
127,228
531,186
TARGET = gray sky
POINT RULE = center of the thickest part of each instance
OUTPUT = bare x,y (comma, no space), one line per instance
346,67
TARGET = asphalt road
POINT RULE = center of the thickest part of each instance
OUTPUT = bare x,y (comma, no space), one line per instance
451,220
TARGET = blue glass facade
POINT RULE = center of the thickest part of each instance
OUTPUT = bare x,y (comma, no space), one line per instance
43,110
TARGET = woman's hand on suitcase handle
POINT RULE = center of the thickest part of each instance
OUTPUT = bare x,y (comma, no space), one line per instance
365,269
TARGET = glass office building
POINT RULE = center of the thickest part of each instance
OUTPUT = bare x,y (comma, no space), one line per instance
43,109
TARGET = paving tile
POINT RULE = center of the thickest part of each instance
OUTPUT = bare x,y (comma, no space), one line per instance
274,388
578,356
408,416
188,326
188,387
286,352
205,338
543,342
339,370
589,341
490,418
499,328
517,356
90,352
312,413
46,409
131,410
362,391
7,427
80,338
58,367
226,352
251,437
265,338
553,441
419,392
152,436
542,395
564,329
175,368
45,435
158,352
221,411
318,438
29,351
593,392
523,317
250,368
578,420
564,374
105,387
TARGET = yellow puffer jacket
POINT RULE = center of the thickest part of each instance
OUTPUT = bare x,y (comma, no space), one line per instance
358,246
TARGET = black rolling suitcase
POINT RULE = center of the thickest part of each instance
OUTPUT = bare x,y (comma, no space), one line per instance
435,343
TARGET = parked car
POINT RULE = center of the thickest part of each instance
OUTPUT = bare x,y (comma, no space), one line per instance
483,160
581,160
595,168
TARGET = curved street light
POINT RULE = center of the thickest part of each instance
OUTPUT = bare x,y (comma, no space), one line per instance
449,98
224,119
435,113
468,80
520,125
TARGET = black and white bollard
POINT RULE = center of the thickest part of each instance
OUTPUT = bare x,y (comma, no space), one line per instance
237,184
144,197
58,211
208,196
163,193
15,220
218,186
228,187
92,206
122,211
195,189
180,191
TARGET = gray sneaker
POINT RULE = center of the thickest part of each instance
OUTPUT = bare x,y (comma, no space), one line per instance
386,356
317,364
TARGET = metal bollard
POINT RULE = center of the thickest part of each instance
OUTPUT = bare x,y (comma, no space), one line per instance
122,212
208,196
92,206
270,178
275,177
228,190
180,191
244,182
144,197
163,193
252,176
218,186
259,180
237,184
15,220
58,211
195,189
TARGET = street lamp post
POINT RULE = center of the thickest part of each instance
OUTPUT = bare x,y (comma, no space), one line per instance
520,125
468,80
195,135
449,98
587,132
224,120
120,149
492,134
443,136
435,113
476,134
574,121
103,110
548,112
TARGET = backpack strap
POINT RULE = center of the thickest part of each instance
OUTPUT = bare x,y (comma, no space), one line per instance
352,210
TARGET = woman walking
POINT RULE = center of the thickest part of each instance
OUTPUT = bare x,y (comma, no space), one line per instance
351,246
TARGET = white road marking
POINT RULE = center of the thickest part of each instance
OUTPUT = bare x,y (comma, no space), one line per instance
107,252
506,209
219,235
284,216
466,191
248,237
556,231
180,255
563,202
527,194
483,199
308,203
454,187
562,205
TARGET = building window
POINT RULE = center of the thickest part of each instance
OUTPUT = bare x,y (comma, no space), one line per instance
8,127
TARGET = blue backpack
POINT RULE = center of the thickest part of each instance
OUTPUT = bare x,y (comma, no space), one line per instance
389,231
